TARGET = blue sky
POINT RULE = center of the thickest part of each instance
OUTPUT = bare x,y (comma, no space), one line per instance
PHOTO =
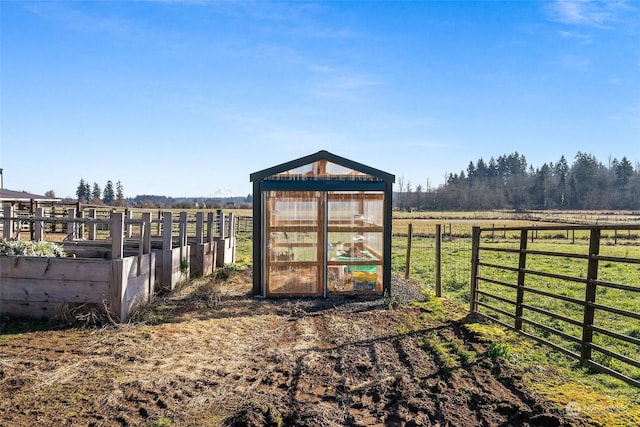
183,98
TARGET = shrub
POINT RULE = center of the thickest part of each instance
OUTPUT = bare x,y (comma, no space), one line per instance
30,248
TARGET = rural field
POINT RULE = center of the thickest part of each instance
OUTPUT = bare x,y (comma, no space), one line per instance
211,354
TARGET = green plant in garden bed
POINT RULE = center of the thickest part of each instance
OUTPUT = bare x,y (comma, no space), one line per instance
10,247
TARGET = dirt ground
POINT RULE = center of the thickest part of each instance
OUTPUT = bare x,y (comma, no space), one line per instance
213,355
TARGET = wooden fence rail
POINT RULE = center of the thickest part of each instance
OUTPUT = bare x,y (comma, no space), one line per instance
510,286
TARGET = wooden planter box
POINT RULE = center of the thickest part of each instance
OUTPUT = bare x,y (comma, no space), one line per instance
119,272
203,258
38,287
168,266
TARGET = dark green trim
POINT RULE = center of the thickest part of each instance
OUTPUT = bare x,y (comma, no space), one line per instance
322,185
257,239
388,221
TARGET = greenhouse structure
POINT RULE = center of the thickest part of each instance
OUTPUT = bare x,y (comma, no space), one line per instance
321,227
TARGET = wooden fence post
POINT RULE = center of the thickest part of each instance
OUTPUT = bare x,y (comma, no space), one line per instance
117,235
7,226
210,219
522,265
39,226
93,227
129,227
438,260
166,278
590,294
199,228
80,225
408,260
53,224
146,221
146,249
475,253
141,238
182,234
221,224
71,226
167,231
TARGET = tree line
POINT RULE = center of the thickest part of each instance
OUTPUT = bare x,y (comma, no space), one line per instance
86,193
509,182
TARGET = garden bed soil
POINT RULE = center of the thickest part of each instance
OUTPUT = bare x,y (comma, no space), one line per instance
210,354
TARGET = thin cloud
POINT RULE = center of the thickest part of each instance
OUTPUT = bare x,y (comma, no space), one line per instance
575,63
596,14
582,38
84,21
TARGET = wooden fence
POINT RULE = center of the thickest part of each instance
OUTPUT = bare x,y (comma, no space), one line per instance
119,269
586,305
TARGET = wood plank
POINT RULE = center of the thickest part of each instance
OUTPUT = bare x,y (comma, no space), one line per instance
91,270
36,309
53,290
136,293
355,229
116,291
145,265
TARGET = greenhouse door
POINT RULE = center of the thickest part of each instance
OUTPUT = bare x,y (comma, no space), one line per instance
320,243
355,242
295,232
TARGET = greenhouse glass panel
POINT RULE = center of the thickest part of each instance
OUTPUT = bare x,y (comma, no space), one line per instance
355,236
322,169
293,236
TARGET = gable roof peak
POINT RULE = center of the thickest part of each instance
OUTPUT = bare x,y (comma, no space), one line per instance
322,155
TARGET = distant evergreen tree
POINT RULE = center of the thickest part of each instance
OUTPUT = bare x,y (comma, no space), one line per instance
119,191
624,172
83,192
108,195
561,170
96,193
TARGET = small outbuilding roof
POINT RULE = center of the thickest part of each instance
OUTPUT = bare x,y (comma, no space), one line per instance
23,196
360,170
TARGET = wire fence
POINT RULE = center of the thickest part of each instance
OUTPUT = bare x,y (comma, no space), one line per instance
437,264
